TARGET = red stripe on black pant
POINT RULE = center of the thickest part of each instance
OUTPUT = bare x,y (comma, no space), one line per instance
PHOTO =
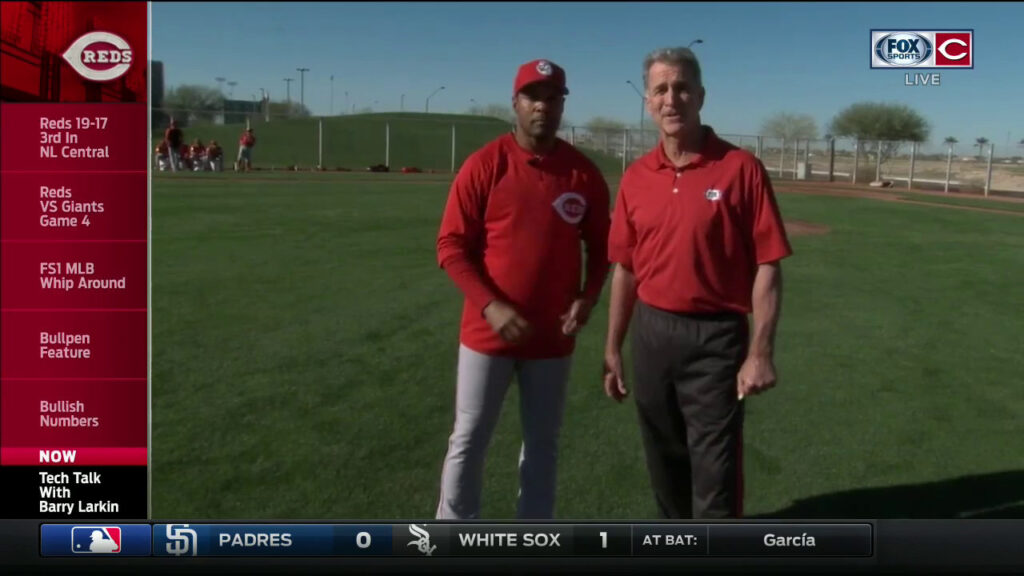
691,422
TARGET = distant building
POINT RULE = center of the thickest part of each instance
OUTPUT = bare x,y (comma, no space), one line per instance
156,93
156,83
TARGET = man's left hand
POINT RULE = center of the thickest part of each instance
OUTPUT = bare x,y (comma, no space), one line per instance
576,317
756,375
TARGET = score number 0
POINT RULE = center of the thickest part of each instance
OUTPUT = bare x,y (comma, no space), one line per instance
363,540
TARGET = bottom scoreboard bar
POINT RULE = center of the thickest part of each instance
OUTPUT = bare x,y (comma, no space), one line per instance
515,540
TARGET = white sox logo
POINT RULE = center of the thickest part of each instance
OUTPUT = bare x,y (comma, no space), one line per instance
571,206
93,52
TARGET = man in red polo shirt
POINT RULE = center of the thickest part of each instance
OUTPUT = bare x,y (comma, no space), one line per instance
510,239
697,236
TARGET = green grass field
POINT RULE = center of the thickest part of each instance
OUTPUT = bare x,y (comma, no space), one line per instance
304,347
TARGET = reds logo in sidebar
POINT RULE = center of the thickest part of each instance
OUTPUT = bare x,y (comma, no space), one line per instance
922,49
99,56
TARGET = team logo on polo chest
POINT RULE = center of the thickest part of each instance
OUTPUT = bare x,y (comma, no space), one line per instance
713,194
570,206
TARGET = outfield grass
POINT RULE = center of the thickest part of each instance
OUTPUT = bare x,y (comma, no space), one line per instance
304,347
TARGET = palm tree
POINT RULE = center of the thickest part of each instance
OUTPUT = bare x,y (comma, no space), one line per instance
980,143
949,141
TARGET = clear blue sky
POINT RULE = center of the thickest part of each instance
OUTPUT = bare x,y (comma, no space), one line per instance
758,59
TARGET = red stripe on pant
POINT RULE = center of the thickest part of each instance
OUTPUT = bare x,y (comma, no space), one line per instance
739,472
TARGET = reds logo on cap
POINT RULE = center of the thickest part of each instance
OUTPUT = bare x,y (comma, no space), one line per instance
540,71
99,56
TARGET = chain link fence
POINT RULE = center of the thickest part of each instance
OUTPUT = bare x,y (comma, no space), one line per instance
438,142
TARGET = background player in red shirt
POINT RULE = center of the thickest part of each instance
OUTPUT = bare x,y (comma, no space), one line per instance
510,239
698,237
215,157
246,142
175,140
163,158
197,155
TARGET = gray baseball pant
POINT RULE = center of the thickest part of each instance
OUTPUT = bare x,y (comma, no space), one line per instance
481,385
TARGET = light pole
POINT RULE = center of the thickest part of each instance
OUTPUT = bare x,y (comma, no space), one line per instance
302,86
643,100
220,87
231,87
288,83
427,109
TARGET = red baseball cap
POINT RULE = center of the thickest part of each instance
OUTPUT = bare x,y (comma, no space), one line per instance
540,71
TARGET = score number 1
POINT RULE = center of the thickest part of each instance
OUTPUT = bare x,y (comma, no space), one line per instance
604,539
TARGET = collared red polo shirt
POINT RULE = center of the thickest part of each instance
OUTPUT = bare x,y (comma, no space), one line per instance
694,235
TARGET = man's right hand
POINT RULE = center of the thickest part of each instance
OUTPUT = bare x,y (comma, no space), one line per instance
614,381
506,321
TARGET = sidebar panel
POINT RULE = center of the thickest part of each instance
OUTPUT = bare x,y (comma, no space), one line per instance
74,261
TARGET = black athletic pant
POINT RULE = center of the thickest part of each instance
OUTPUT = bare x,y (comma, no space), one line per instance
685,369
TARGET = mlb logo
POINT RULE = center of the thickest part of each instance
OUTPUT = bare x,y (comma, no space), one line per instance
95,540
922,49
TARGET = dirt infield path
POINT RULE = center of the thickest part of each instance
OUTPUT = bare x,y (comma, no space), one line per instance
844,190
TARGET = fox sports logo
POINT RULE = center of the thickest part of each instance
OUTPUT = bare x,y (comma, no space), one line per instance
903,48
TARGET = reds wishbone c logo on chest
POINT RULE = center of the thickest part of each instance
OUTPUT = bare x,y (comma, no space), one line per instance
570,206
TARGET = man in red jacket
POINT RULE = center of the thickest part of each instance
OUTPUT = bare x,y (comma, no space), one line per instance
510,239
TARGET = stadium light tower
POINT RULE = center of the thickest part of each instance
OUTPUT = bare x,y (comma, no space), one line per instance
427,109
302,86
231,87
288,83
643,99
220,84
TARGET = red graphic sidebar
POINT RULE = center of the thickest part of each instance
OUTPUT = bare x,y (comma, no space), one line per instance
74,141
